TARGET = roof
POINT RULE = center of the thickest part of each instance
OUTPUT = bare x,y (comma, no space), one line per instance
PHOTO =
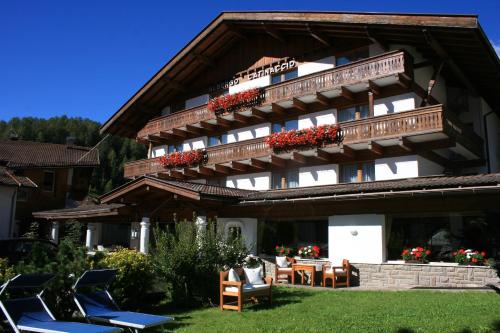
8,178
19,154
190,190
442,183
457,38
85,210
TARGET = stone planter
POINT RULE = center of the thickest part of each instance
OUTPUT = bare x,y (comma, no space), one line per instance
415,262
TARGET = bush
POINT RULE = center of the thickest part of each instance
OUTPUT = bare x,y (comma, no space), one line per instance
6,271
69,262
134,277
190,261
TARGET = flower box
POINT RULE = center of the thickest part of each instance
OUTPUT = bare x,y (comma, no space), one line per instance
416,255
309,252
233,102
469,257
307,138
184,159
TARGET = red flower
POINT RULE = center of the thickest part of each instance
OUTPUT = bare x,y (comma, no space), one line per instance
427,252
183,159
418,254
483,254
461,251
224,103
405,252
474,260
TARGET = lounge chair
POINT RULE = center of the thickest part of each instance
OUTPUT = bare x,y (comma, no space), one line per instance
31,314
97,305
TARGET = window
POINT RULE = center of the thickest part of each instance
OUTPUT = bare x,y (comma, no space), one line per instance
217,140
353,113
233,232
360,172
285,179
288,125
351,56
282,77
49,179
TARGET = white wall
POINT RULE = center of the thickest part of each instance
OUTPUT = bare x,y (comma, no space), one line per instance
318,175
247,133
254,181
358,238
325,117
405,167
197,101
7,210
255,83
392,104
159,151
196,143
248,230
316,66
493,123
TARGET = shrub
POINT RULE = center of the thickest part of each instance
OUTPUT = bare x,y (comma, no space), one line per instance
134,277
6,271
190,261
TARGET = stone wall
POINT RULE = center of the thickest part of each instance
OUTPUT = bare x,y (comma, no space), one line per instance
412,275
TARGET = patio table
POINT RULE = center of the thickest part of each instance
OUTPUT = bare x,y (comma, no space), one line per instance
311,268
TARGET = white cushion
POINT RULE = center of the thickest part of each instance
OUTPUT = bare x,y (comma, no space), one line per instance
285,269
248,288
233,276
254,275
337,270
282,262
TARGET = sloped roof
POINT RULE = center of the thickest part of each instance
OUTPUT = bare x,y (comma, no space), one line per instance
8,178
87,210
457,38
18,154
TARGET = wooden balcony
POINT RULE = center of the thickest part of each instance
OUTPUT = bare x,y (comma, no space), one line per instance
409,132
328,84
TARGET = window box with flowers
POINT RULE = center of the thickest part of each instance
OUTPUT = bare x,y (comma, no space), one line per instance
303,139
309,252
236,101
469,257
184,159
416,255
283,251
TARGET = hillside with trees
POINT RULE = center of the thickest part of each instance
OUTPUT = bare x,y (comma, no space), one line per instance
113,151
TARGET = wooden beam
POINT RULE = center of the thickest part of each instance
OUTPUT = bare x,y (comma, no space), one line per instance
297,103
176,174
299,158
259,114
155,138
238,117
323,155
276,108
258,164
318,36
373,87
278,161
194,130
375,38
346,93
174,84
191,173
239,166
219,168
375,148
204,59
208,126
347,151
406,144
403,81
180,133
167,136
223,123
205,171
274,33
322,99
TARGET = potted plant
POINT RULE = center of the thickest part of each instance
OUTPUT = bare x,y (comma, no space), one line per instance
283,251
310,251
469,257
416,255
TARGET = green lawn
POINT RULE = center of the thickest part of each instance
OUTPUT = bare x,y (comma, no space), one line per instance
305,310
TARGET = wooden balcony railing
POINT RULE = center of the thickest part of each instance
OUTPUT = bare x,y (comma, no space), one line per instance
391,63
426,120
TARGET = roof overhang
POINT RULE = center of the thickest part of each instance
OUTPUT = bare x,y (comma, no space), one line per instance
405,28
82,212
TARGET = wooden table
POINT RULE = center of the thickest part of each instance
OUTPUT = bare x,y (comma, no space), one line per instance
311,268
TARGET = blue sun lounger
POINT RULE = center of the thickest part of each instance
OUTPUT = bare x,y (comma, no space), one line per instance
97,305
31,314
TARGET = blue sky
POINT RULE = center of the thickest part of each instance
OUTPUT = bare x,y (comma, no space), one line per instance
86,58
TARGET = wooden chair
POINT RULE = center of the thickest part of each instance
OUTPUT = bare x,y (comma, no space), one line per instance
284,270
336,273
241,291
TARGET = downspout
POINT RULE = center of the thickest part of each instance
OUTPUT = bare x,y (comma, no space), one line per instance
486,140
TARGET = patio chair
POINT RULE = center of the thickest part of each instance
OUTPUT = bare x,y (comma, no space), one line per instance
96,304
31,314
337,273
280,271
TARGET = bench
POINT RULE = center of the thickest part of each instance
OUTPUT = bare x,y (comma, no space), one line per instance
240,291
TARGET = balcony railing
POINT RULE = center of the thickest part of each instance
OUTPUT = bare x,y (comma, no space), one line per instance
391,63
420,121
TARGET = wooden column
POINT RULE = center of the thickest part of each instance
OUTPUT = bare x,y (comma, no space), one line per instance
360,172
371,104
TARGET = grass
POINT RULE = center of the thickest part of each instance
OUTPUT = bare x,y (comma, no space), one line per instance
304,310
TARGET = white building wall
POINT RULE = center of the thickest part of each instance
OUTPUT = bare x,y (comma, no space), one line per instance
7,210
325,117
399,103
405,167
255,83
159,151
247,133
254,181
318,175
493,124
248,230
196,143
358,238
316,66
197,101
